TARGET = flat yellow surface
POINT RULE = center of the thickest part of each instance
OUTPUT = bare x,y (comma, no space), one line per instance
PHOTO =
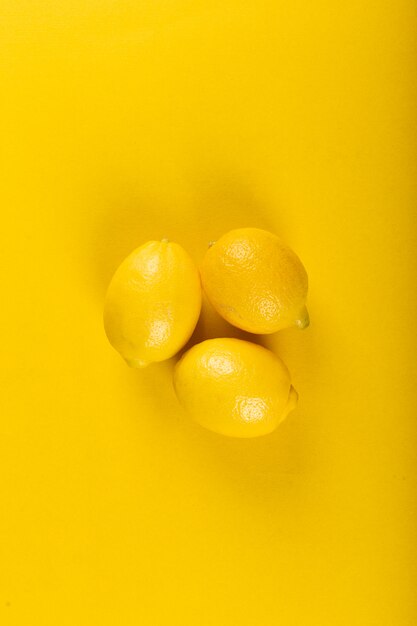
127,120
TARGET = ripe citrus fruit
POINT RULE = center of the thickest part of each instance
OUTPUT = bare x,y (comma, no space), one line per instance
153,303
255,281
234,387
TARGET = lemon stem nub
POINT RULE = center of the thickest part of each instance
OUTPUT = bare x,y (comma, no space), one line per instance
164,240
303,320
137,363
291,402
211,243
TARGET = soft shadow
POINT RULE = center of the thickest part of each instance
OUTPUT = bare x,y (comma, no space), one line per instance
153,387
130,215
211,325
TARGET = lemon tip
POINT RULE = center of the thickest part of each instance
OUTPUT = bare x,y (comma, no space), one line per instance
292,402
137,363
303,321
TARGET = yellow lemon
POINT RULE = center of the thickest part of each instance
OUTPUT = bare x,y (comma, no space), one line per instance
255,281
234,387
153,303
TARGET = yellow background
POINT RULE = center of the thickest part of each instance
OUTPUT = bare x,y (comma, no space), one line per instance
128,120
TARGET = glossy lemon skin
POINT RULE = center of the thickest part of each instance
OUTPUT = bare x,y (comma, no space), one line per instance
153,303
255,281
234,387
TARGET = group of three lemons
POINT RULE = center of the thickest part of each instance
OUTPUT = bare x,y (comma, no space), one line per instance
255,282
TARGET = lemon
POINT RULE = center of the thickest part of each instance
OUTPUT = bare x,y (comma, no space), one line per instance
255,281
153,303
234,387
